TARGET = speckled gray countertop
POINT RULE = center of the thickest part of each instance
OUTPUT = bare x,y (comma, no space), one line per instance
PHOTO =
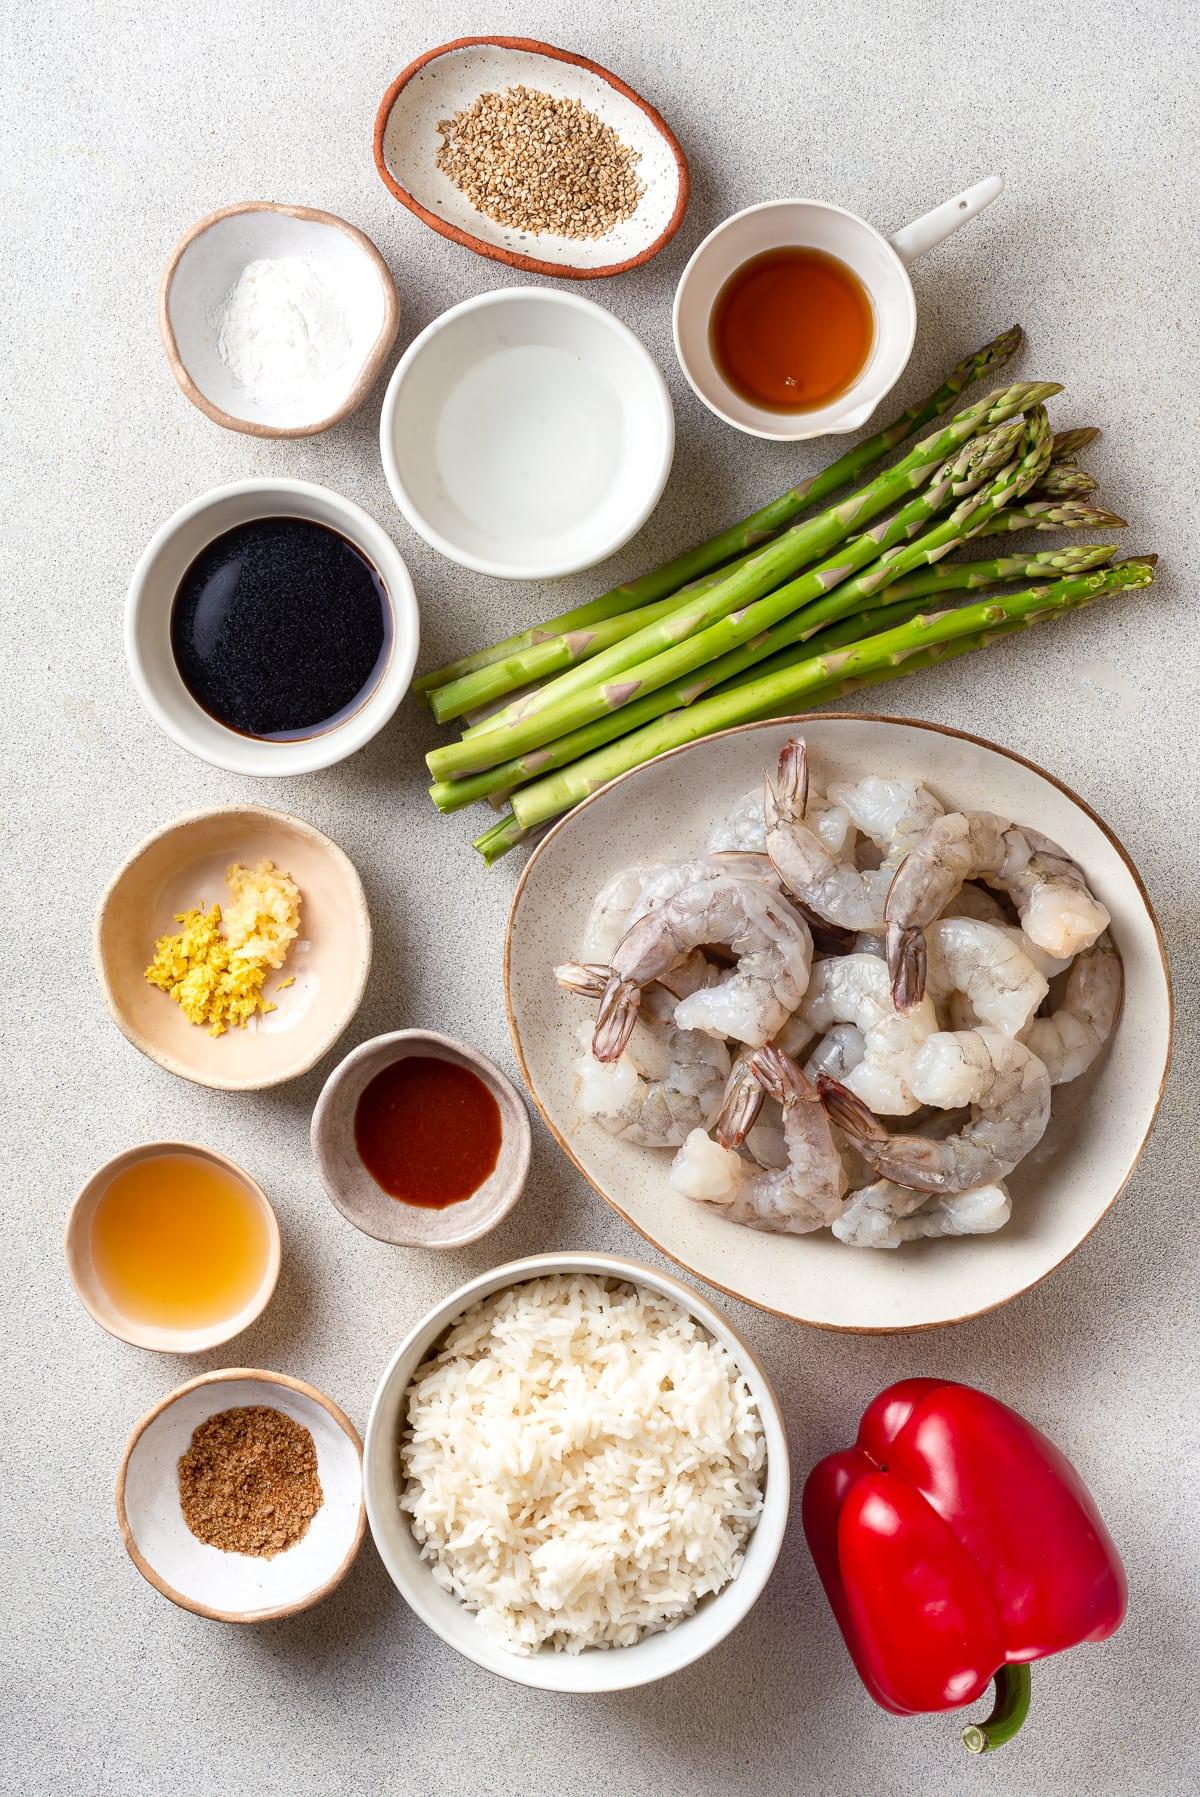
126,122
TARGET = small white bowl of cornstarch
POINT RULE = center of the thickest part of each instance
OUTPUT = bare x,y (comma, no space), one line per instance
576,1473
533,156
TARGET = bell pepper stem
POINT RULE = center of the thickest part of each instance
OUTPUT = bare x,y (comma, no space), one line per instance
1008,1712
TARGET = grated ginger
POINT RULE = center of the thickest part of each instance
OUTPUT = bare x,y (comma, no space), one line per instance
216,975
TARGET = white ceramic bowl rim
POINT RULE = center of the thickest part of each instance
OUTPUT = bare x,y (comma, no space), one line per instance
868,389
595,1669
228,749
550,570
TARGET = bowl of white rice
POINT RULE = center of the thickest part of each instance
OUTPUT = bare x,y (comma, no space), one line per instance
576,1473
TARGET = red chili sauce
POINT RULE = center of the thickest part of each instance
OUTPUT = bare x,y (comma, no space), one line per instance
427,1131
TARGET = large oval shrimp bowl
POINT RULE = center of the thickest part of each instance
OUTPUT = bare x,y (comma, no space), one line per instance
1099,1123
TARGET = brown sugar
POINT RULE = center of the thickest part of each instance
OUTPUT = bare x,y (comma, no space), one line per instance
248,1482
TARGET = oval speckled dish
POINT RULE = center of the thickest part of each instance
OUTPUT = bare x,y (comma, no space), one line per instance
184,864
662,812
450,77
224,1586
366,1204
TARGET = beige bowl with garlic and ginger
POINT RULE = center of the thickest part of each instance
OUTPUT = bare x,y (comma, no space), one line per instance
314,993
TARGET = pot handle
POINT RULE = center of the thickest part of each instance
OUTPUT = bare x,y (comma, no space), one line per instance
933,227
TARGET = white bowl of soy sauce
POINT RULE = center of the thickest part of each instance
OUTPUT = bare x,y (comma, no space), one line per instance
271,627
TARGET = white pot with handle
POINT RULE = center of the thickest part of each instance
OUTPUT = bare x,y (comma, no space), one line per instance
880,263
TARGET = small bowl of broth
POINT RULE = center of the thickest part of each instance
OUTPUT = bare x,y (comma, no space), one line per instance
421,1140
173,1247
271,627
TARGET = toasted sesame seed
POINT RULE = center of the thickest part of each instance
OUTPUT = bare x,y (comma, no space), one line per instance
540,164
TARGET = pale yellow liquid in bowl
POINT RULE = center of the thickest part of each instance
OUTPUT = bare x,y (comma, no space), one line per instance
179,1243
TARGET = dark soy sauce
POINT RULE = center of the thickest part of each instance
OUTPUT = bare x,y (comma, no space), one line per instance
280,628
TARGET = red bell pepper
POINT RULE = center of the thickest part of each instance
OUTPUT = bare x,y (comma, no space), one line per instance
956,1544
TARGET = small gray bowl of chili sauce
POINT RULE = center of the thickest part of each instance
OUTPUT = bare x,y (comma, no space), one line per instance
421,1140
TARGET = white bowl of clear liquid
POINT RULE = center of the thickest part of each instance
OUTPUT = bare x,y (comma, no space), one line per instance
527,433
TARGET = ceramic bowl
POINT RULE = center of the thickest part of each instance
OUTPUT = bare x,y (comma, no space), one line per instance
100,1304
181,865
206,263
156,580
450,78
879,263
663,812
595,1669
366,1204
527,433
206,1580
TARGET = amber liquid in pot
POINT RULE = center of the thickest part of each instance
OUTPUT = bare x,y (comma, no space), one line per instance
791,329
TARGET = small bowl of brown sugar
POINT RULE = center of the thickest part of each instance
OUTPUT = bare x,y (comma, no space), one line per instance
533,156
240,1496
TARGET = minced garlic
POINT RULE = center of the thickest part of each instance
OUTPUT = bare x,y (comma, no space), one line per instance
216,975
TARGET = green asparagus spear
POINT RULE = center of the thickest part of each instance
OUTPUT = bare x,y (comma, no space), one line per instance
1063,480
733,612
1051,514
750,531
1067,444
891,652
541,661
501,837
783,640
508,833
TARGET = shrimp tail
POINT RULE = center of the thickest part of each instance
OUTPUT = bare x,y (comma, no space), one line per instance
588,978
740,1106
851,1115
907,960
909,1161
615,1020
779,1076
792,775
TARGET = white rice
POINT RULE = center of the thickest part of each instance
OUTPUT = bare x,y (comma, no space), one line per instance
584,1463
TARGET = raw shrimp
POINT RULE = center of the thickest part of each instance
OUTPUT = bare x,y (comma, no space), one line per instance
1007,1087
609,917
855,989
838,1053
1057,911
773,949
804,1195
1069,1040
745,826
741,1101
895,814
662,883
977,902
846,896
987,967
667,1082
883,1215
